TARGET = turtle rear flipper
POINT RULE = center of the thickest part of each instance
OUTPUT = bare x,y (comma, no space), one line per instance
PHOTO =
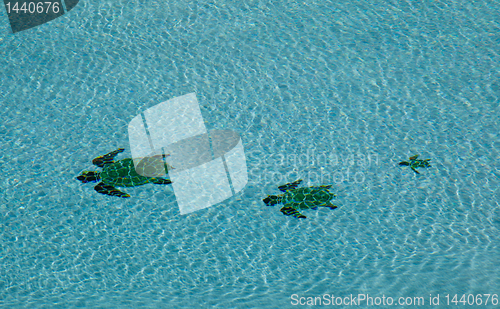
161,181
109,190
290,186
107,158
289,211
414,157
415,170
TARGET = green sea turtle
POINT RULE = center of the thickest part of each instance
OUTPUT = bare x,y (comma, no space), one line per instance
294,199
415,163
122,173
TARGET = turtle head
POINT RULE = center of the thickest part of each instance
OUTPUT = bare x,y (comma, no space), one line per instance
89,177
271,200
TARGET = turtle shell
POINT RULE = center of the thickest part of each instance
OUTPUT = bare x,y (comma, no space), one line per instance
123,174
307,198
420,163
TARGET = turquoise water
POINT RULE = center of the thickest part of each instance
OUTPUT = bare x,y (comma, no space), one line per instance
330,92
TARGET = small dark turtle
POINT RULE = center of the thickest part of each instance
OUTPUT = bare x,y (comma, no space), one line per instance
414,163
294,199
121,173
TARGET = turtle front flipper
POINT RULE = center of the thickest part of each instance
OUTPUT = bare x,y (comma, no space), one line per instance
414,170
290,186
109,190
107,158
404,163
289,211
412,158
161,181
332,207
